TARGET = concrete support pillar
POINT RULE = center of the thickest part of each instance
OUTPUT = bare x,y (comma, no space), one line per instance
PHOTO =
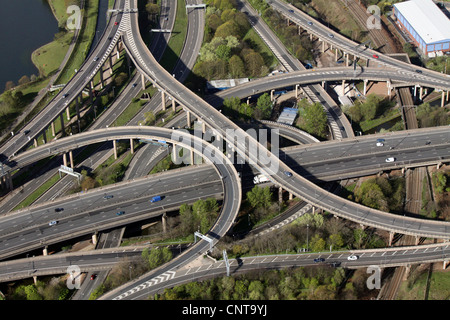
296,91
142,82
323,46
365,87
310,37
71,159
63,132
94,238
102,81
132,146
391,237
443,99
164,222
324,84
174,153
445,264
346,59
45,251
163,100
203,127
174,105
44,136
35,142
407,271
446,99
417,239
65,159
188,118
421,93
343,87
115,149
271,94
388,83
110,63
336,54
68,114
280,195
53,129
291,196
192,157
35,280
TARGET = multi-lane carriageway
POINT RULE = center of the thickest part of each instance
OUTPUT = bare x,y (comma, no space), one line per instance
212,118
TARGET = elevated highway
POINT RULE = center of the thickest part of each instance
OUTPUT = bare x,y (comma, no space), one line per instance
270,165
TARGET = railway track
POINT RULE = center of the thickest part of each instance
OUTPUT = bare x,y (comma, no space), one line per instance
380,37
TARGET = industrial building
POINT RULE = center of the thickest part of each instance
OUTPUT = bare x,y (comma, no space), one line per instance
427,26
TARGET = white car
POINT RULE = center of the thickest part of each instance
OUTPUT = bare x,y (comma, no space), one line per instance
52,223
380,144
390,159
352,257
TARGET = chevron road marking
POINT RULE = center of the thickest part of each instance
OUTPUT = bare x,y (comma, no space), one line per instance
154,281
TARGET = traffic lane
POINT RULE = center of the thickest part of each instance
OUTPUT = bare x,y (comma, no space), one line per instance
100,198
87,222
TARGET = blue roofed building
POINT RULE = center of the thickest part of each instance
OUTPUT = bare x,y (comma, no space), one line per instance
426,24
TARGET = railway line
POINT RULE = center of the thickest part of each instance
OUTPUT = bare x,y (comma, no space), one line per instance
380,39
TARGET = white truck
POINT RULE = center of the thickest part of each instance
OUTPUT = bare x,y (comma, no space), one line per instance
260,179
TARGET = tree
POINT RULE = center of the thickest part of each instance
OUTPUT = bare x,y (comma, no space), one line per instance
223,52
263,107
236,67
259,197
156,256
315,119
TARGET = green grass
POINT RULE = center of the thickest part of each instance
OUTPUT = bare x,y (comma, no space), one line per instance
414,289
84,42
38,192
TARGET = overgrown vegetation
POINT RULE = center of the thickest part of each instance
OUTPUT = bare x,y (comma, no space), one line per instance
321,283
226,52
432,116
312,118
381,193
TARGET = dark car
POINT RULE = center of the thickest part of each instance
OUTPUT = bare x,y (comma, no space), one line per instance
319,260
120,213
59,209
419,71
335,264
108,196
288,173
291,11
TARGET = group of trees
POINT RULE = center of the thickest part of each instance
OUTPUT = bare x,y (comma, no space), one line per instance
367,110
55,289
236,109
431,116
320,283
381,193
199,216
312,118
224,53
